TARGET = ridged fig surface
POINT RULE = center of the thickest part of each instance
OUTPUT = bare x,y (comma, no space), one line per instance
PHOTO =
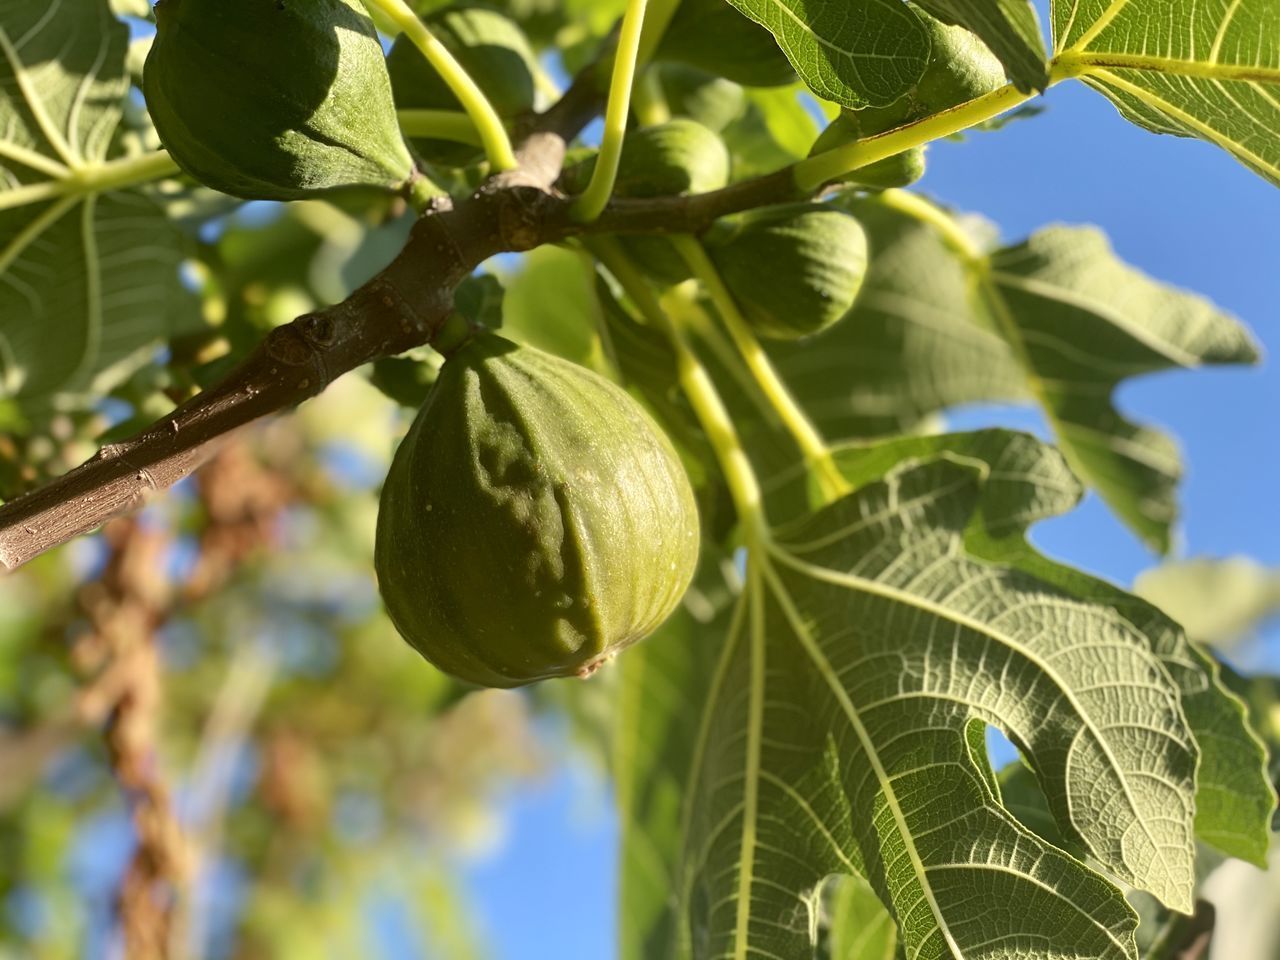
795,269
534,520
274,101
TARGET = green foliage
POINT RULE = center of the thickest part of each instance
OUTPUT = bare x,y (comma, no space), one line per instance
569,534
799,751
274,102
71,260
1217,82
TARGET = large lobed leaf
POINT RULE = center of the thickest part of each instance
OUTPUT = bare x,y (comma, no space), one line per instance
87,280
842,730
1186,67
1057,317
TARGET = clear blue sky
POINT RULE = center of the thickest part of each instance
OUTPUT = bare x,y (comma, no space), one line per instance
1182,211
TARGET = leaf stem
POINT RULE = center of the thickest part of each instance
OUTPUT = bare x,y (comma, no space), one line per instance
953,235
114,175
822,168
815,450
492,134
595,198
707,405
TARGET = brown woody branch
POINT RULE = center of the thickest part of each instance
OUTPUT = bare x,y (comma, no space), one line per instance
403,307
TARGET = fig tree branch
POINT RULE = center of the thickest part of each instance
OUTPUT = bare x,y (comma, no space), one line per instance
403,307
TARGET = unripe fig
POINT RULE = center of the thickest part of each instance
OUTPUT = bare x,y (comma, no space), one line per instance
668,159
712,36
712,101
794,270
274,101
535,520
490,47
961,68
899,170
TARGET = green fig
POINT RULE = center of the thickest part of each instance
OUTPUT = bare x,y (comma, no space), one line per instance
490,47
669,159
794,270
712,36
535,520
274,101
712,101
900,170
961,68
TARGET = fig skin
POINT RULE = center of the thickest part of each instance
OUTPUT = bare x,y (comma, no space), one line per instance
794,270
271,101
535,520
960,68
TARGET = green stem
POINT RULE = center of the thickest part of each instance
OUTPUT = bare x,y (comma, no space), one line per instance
440,124
114,175
978,265
710,410
422,190
595,198
815,450
822,168
953,235
492,133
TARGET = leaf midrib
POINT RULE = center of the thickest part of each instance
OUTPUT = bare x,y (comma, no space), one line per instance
884,591
1076,62
801,630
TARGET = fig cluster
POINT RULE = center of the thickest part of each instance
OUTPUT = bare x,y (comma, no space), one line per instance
535,519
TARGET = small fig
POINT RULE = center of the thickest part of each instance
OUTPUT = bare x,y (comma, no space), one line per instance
712,101
274,101
712,36
795,269
490,47
668,159
899,170
960,68
535,520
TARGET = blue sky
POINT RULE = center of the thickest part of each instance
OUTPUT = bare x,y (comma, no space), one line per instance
1181,210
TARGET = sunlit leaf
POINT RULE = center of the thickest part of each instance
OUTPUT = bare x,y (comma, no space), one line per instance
857,55
1193,69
